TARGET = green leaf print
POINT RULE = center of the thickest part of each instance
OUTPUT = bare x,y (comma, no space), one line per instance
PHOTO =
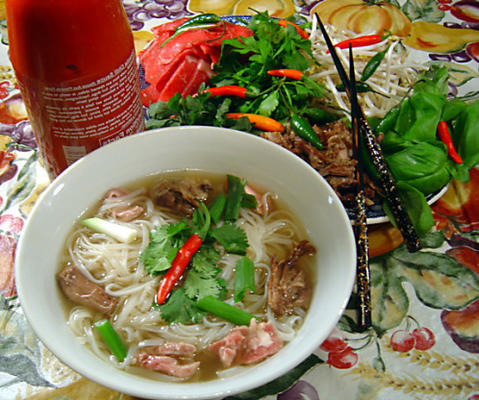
438,279
20,354
425,10
389,301
24,183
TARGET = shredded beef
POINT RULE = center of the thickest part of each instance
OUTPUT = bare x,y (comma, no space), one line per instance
334,162
288,286
180,196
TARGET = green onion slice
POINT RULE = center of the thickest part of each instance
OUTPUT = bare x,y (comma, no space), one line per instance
224,310
111,339
244,278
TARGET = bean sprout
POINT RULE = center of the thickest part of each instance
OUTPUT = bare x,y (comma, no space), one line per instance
390,82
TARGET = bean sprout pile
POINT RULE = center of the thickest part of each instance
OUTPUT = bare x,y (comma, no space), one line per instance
390,82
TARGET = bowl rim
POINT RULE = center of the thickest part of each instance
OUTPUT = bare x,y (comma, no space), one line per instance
220,389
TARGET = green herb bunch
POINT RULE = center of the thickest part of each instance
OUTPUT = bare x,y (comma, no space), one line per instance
202,276
244,62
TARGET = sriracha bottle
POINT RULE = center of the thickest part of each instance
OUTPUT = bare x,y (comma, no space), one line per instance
76,68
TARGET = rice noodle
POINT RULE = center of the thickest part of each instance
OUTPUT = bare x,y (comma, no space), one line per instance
115,266
392,80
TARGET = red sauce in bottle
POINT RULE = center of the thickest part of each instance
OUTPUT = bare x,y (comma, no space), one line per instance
76,68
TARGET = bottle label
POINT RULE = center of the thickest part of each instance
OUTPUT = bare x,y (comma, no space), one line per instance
71,121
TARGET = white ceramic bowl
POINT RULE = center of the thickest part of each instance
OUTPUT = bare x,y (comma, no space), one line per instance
205,148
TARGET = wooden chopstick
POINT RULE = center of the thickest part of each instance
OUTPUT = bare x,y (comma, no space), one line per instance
363,281
388,183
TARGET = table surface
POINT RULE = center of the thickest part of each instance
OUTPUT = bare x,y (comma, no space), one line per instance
436,295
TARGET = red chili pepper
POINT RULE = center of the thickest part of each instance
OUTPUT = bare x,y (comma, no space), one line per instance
260,121
359,41
178,266
284,23
228,90
445,137
288,73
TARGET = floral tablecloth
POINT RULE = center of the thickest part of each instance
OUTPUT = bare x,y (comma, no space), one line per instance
425,336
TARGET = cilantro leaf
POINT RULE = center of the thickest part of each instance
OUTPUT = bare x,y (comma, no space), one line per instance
204,261
269,104
180,308
160,252
232,238
197,286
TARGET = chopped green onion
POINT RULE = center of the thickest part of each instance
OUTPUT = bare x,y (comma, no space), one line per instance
235,195
119,232
217,207
224,310
249,201
244,278
111,339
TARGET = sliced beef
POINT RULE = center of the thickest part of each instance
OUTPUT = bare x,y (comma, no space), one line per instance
247,345
335,162
231,347
181,64
79,289
288,287
172,358
262,342
128,214
167,365
179,196
122,213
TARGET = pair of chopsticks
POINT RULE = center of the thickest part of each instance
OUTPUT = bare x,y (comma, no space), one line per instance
361,128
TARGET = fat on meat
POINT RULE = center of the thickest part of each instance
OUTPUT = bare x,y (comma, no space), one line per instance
175,349
245,345
288,286
79,289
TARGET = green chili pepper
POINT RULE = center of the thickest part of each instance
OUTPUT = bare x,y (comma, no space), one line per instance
321,116
389,120
304,130
361,87
373,64
111,339
198,21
